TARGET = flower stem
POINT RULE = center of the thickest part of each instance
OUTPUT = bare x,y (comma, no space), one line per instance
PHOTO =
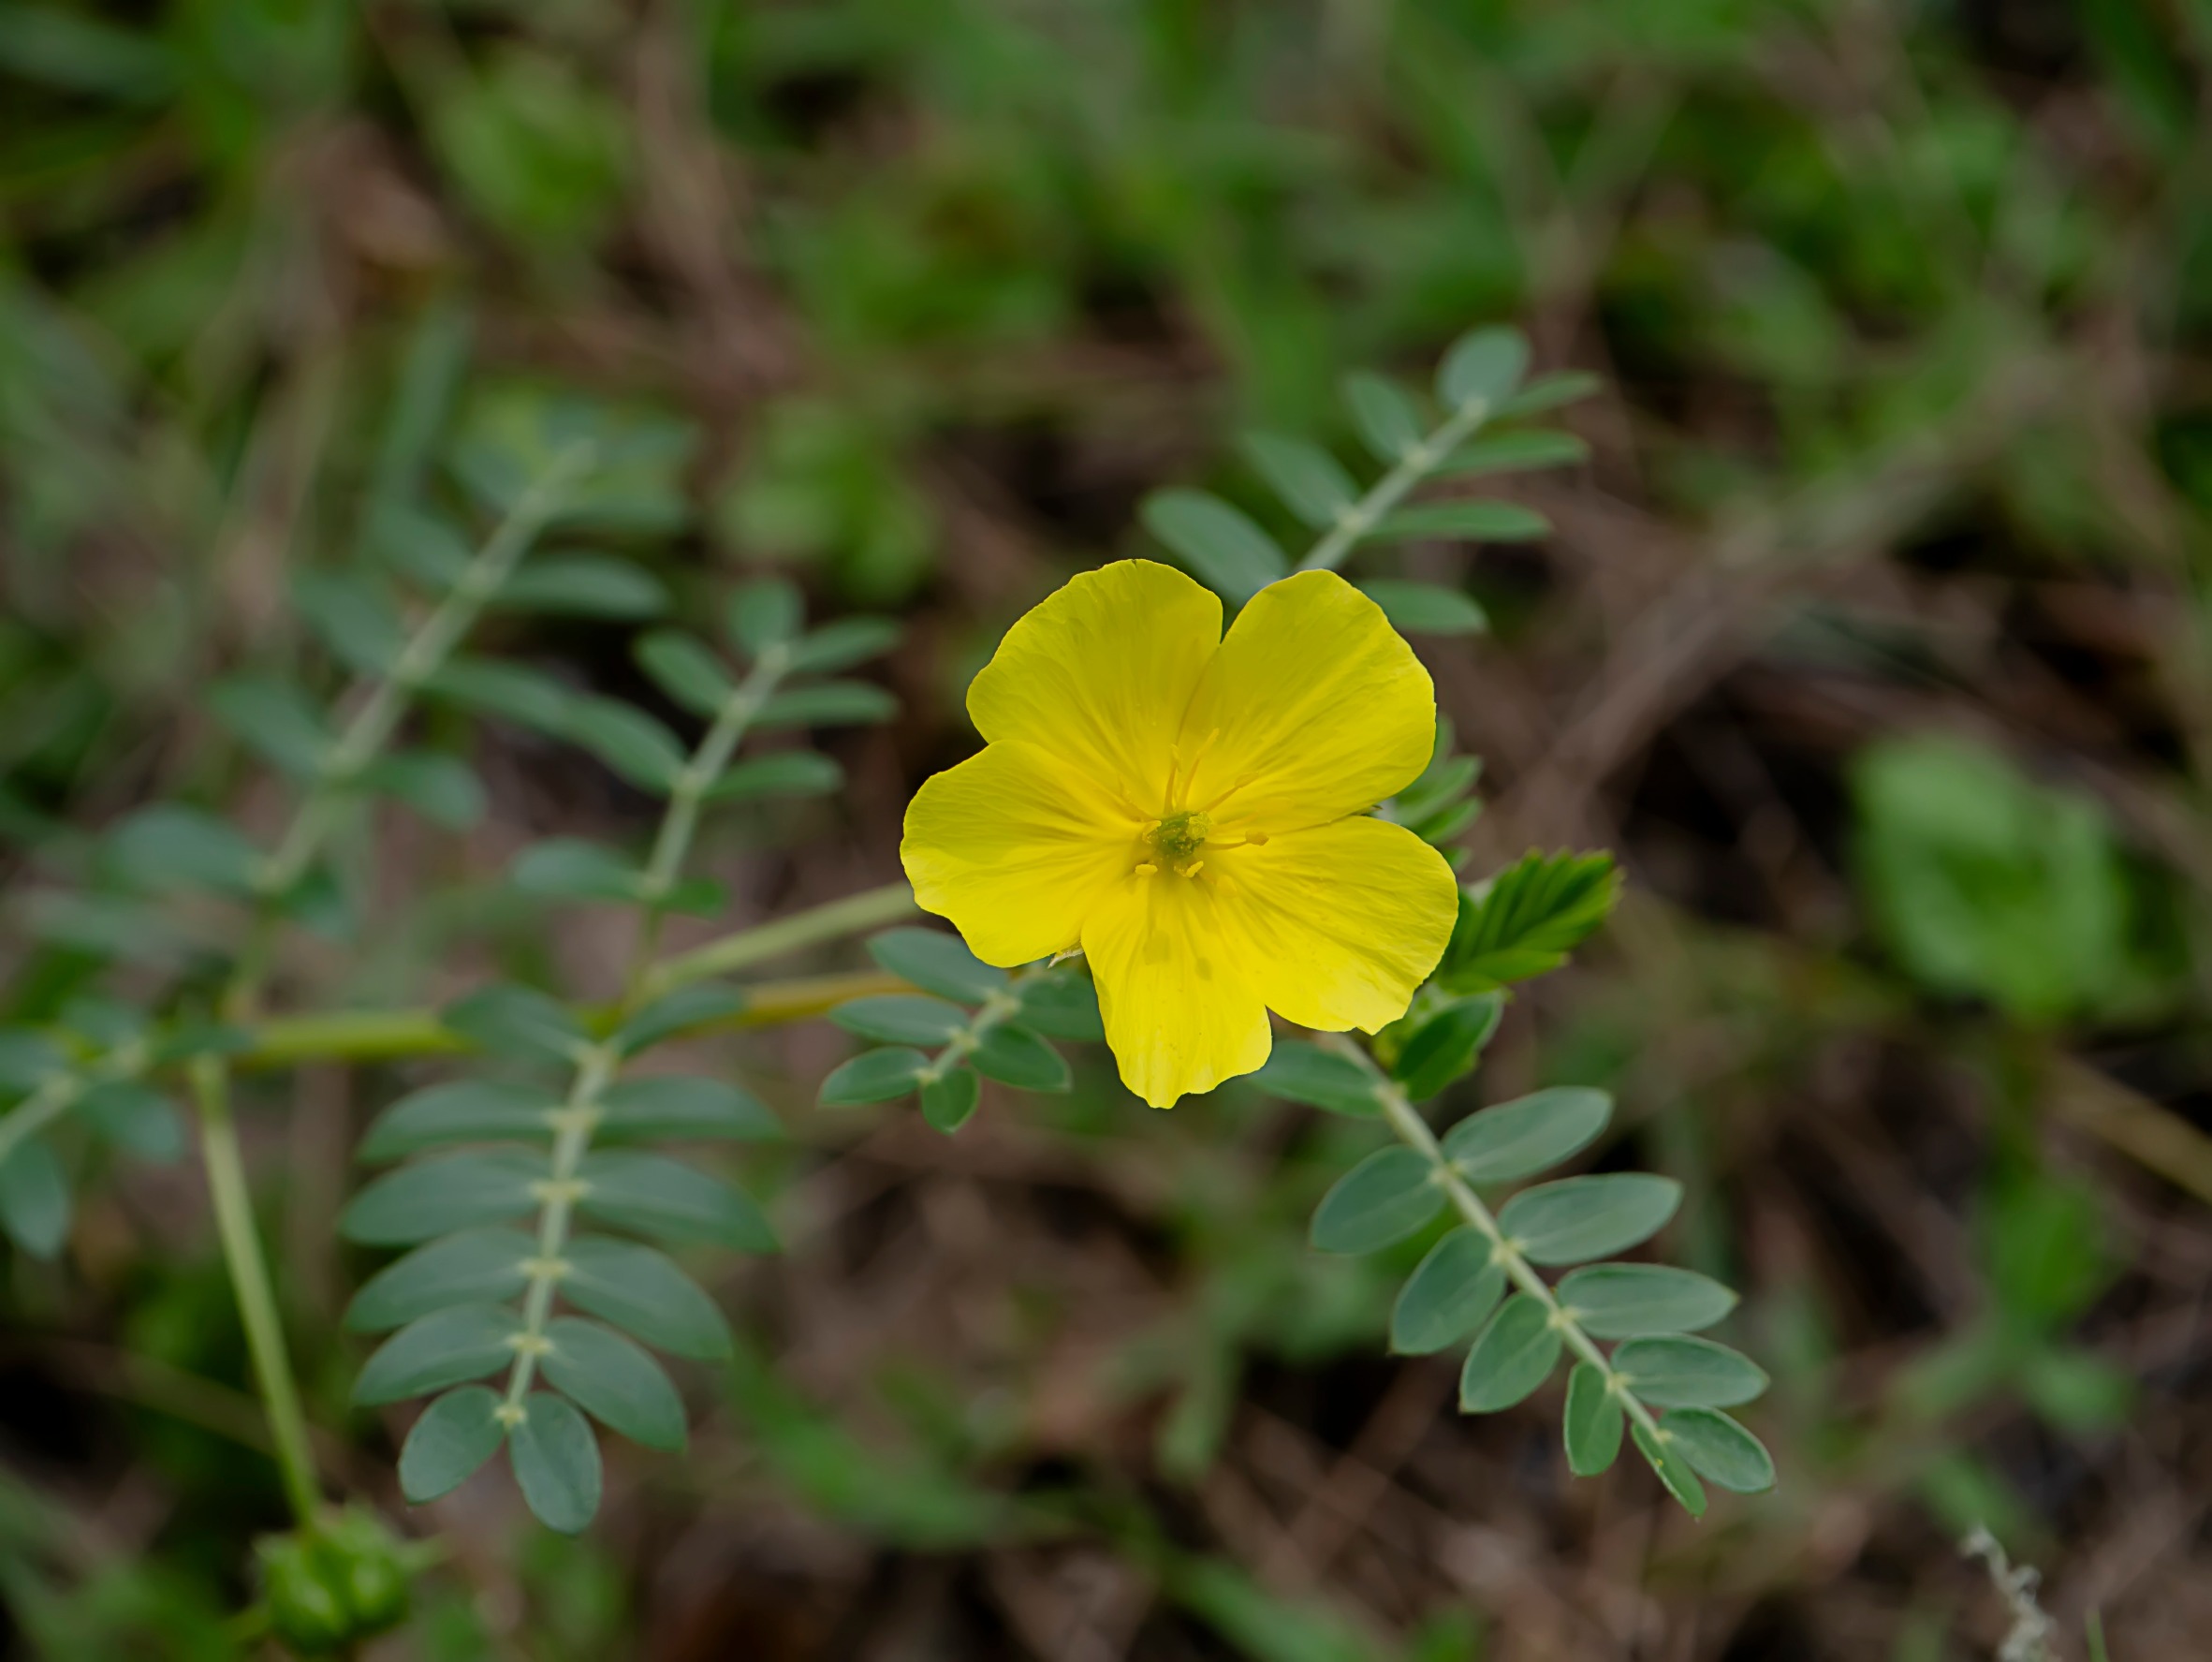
1412,1130
250,1283
1387,492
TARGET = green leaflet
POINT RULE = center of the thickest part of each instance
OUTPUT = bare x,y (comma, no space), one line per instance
937,963
436,1197
460,1110
1685,1373
1593,1426
949,1100
449,1439
475,1267
1579,1218
644,1293
1014,1055
875,1076
1383,1198
1721,1451
556,1463
1300,1072
684,1108
446,1347
1514,1354
614,1380
656,1196
1623,1301
1448,1295
1531,1133
902,1019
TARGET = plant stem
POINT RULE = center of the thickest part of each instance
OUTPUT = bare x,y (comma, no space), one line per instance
598,1065
364,738
1386,494
397,1035
250,1283
856,913
1412,1130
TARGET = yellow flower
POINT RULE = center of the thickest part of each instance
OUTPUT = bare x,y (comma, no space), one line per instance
1188,810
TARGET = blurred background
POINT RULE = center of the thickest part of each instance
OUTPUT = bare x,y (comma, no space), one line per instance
1871,637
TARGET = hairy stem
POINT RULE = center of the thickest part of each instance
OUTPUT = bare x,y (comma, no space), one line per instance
1387,492
1412,1130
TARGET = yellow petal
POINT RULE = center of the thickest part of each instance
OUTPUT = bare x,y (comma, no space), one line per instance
1101,672
1338,924
1313,708
1181,1014
1015,849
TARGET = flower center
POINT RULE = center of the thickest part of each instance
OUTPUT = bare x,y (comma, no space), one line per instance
1175,839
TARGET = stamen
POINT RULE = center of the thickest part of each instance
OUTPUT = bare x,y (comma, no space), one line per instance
1193,868
1145,868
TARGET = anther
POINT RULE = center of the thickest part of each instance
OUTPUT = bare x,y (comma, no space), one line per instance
1145,868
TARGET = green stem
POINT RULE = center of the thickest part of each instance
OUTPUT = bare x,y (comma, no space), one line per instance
250,1282
1387,492
680,822
856,913
397,1035
364,739
598,1065
1412,1130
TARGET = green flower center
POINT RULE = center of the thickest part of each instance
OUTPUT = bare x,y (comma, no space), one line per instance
1176,839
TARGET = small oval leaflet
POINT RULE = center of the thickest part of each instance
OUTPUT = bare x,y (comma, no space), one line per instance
1684,1373
1512,1356
1626,1301
614,1380
656,1196
1447,1045
681,667
937,963
1482,365
35,1205
1674,1471
1313,484
1222,544
1579,1218
556,1463
136,1118
1426,608
643,1292
1388,420
1529,1134
1448,1295
457,1433
521,1021
786,773
1383,1199
475,1267
1299,1072
446,1347
1014,1055
1593,1422
460,1110
948,1102
875,1076
901,1018
683,1106
1472,521
1063,1004
439,1195
697,1006
1721,1451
